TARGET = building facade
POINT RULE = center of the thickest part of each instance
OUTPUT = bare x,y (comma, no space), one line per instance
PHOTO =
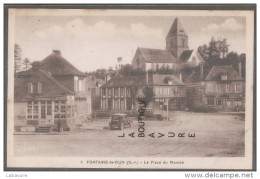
119,93
53,91
169,90
225,89
222,88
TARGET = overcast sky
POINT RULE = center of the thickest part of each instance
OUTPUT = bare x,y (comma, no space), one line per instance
92,42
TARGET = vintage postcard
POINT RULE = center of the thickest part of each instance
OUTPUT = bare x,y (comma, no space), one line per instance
125,88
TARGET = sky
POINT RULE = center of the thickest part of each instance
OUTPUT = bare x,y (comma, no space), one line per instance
92,42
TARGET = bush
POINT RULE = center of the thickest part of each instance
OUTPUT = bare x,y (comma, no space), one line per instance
203,108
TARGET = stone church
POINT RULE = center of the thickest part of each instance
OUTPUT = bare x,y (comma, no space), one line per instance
177,52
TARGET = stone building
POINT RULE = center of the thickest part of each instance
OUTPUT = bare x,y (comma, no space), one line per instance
173,56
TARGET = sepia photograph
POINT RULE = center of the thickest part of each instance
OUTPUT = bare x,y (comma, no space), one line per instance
130,88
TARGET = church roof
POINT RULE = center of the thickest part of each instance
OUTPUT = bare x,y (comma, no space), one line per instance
157,55
176,29
185,55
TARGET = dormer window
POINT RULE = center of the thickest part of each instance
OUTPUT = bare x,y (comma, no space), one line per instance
223,77
35,87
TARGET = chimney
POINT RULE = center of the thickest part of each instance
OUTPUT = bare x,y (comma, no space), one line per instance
240,68
180,77
201,70
58,52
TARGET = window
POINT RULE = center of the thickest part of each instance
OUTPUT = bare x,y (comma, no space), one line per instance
228,88
238,102
49,108
122,105
229,102
35,87
210,87
122,91
237,87
35,109
219,102
128,92
30,88
109,91
63,106
223,77
39,87
210,101
29,110
116,91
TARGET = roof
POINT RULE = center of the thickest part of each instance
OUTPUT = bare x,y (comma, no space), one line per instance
157,55
216,72
21,80
161,80
123,81
185,55
58,65
176,29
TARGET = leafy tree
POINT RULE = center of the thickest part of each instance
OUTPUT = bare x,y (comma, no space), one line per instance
215,50
128,70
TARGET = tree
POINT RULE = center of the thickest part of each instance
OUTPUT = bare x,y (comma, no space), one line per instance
17,58
215,50
128,70
26,64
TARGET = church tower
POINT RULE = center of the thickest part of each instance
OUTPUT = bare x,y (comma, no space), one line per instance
177,39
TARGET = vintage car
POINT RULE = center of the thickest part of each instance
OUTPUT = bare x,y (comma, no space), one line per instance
119,121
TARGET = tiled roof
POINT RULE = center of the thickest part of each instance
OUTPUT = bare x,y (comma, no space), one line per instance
122,81
58,65
185,55
216,72
160,80
157,55
20,82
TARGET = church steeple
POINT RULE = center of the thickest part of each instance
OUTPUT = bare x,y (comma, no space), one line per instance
177,39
